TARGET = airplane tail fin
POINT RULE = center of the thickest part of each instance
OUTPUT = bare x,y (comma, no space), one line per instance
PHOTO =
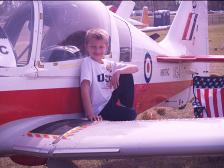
125,9
188,34
145,16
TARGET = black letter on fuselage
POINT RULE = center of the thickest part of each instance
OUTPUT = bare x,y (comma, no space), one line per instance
3,50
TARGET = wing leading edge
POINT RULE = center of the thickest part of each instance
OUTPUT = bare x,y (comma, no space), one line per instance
131,138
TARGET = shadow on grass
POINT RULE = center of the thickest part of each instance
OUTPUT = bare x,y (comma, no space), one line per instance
154,162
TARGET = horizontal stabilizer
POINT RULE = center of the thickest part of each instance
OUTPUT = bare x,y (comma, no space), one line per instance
176,59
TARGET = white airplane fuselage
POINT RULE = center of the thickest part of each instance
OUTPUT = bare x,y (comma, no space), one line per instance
48,88
41,50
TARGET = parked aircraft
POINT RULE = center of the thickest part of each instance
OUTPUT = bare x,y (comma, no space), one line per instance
41,114
126,8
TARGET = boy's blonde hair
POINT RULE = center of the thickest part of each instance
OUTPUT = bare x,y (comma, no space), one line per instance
97,33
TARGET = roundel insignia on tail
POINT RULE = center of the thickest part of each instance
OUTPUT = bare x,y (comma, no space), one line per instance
147,67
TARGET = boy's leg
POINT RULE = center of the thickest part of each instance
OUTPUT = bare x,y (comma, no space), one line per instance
125,91
118,113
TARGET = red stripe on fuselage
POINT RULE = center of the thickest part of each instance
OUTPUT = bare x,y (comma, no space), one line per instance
20,104
149,95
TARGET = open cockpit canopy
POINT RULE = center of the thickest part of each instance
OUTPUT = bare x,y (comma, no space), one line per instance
16,22
63,29
65,24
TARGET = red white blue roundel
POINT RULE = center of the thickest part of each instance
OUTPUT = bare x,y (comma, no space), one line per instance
147,67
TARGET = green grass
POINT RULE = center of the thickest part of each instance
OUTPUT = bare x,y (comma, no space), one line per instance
216,39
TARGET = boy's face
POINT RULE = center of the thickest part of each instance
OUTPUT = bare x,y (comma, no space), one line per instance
96,49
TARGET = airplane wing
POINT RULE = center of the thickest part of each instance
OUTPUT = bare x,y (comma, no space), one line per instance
135,22
79,139
125,9
145,28
203,58
152,29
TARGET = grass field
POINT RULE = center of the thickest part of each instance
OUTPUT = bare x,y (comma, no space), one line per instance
216,43
216,39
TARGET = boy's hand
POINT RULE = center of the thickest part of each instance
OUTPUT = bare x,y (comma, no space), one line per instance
93,117
115,79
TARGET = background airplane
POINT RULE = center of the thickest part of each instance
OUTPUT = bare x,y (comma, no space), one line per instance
126,8
42,46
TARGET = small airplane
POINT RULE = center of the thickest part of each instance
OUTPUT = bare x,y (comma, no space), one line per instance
126,8
42,119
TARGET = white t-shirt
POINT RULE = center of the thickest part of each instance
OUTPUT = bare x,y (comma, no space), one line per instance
99,76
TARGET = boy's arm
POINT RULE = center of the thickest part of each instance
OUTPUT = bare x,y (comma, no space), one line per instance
85,89
127,69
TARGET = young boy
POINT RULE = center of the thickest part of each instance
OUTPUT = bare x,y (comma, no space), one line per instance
103,82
